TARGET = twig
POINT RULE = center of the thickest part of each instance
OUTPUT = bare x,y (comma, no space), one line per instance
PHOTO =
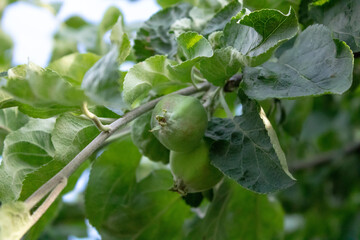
207,98
99,140
49,200
324,158
41,209
233,83
44,206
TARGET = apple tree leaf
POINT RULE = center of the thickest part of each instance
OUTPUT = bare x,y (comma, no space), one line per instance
221,66
256,35
118,206
342,18
154,38
316,65
247,152
25,150
222,221
222,17
102,82
42,89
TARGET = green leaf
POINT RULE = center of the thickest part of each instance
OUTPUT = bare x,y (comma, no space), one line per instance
154,37
275,143
284,47
42,89
215,39
5,51
257,34
43,112
115,171
167,3
142,77
67,39
103,112
214,5
119,207
320,2
15,220
6,100
192,47
120,38
10,120
74,66
158,71
6,186
282,5
342,17
25,150
38,177
181,26
221,66
235,213
303,13
30,145
246,151
199,18
222,17
102,82
147,143
75,22
300,72
110,18
71,134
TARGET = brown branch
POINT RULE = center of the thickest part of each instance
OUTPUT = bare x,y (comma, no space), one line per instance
324,158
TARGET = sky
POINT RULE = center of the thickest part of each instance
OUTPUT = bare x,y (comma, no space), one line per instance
32,28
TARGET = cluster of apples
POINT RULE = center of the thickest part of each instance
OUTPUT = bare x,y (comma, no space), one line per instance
174,132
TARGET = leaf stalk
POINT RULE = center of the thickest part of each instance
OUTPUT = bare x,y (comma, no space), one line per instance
94,118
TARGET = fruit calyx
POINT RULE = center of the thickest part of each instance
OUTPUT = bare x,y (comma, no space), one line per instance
180,187
161,120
